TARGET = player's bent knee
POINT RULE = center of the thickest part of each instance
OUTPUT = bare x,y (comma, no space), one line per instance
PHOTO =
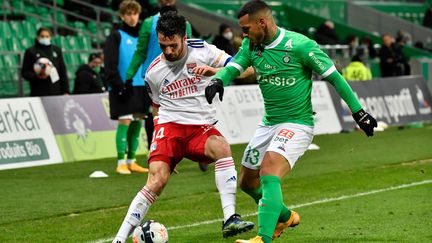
218,147
157,181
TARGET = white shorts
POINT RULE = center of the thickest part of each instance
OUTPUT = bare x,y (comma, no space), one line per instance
287,139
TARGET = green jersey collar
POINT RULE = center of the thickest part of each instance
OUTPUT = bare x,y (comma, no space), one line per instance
280,33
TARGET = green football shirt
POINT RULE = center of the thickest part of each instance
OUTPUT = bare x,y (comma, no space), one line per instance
284,70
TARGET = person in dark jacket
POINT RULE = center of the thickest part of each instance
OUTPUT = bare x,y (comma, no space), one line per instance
224,40
88,76
44,84
392,60
326,34
129,100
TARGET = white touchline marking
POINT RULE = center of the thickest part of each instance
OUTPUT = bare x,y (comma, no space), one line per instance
325,200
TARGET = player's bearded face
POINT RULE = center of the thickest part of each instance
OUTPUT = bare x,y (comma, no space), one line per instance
173,47
252,29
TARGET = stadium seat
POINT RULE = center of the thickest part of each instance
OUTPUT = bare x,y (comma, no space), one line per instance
72,43
18,4
29,28
60,18
84,42
10,61
26,42
5,29
3,44
14,44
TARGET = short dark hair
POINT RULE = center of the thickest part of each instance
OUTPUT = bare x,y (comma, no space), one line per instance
170,23
41,29
252,7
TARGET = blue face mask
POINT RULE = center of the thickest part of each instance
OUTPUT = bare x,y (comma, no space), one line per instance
45,41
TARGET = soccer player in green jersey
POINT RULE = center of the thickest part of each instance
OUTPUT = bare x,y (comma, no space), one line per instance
283,61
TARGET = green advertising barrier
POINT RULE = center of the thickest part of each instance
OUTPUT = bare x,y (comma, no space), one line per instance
82,127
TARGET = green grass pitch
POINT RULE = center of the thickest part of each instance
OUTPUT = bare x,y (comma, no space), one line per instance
355,189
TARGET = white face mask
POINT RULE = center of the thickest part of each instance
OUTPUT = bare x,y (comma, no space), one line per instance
228,35
45,41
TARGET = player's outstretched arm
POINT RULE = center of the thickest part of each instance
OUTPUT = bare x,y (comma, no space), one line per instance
363,119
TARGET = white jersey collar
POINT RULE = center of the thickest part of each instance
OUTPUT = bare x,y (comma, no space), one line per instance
278,39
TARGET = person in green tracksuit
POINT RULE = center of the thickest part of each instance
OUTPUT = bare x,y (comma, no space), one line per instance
283,62
147,50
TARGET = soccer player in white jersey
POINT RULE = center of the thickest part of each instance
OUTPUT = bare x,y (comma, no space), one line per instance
184,127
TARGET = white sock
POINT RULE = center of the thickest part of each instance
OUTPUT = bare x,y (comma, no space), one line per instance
226,182
130,161
121,161
136,212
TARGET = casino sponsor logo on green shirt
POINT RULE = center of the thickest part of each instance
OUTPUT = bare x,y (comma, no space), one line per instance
276,80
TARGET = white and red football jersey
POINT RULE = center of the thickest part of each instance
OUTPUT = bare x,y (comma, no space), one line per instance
178,91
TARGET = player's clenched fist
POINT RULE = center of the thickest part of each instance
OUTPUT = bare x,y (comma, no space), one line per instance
215,86
365,121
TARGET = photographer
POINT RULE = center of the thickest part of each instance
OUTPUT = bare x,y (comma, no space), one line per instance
51,79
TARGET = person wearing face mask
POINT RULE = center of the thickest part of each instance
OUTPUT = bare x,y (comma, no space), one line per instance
223,41
128,99
45,84
88,76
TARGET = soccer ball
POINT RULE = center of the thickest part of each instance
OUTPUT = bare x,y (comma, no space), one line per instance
150,232
43,66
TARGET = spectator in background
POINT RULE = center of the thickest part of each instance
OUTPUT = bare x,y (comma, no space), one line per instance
427,20
147,8
403,38
387,57
366,42
357,70
129,101
224,40
392,60
353,42
326,35
52,78
88,76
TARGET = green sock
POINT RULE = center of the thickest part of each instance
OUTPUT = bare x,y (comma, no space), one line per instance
121,142
256,194
285,214
270,206
133,138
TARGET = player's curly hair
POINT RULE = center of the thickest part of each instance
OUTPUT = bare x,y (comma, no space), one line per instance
252,7
171,23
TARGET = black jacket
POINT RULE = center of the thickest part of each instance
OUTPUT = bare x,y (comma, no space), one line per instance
393,62
44,87
111,53
87,81
326,36
224,44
